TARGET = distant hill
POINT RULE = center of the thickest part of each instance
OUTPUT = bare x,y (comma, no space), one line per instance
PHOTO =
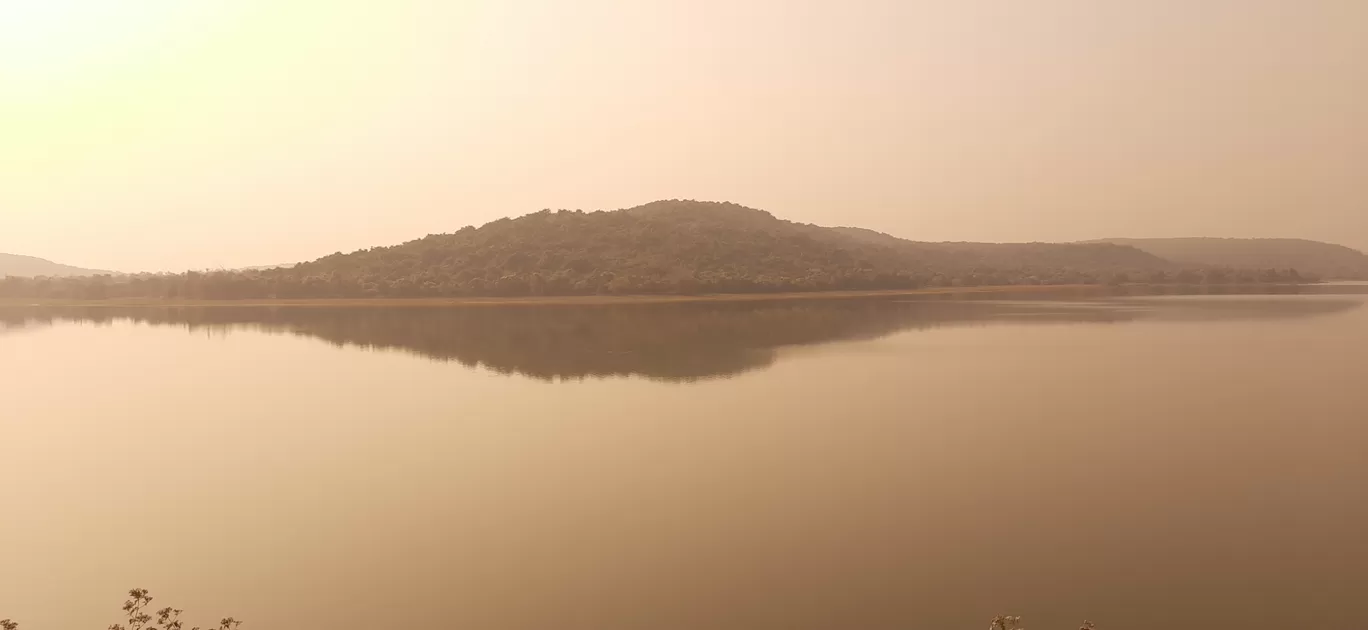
675,247
1321,259
266,267
690,246
29,267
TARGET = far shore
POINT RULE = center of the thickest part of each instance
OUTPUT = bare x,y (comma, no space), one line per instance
1071,290
570,300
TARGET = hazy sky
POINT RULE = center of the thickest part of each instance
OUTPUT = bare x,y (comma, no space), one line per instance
164,134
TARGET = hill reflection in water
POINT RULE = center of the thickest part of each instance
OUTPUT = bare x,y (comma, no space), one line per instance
679,342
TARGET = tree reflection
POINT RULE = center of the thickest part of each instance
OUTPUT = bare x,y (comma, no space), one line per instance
679,342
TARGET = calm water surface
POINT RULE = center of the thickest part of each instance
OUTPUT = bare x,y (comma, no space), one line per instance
1176,462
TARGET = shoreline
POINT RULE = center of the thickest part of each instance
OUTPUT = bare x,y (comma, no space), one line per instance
566,300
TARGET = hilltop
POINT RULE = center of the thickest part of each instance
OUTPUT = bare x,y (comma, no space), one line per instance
664,247
1321,259
691,246
30,267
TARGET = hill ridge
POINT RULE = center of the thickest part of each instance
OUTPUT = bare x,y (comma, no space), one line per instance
1323,259
32,266
663,247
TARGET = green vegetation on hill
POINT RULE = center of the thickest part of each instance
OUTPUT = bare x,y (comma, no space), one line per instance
28,266
1321,259
681,247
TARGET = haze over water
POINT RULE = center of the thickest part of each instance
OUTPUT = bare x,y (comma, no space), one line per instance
1162,462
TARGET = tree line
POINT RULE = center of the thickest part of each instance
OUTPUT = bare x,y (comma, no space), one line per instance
668,247
228,285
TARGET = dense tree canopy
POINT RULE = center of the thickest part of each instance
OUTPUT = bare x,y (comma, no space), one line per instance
663,247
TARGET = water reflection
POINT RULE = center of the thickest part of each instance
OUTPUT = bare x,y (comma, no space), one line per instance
681,342
1148,462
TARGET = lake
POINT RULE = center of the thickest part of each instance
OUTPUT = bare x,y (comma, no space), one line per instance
1144,462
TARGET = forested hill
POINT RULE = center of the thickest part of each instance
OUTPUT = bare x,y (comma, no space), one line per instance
1321,259
661,247
689,246
28,266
